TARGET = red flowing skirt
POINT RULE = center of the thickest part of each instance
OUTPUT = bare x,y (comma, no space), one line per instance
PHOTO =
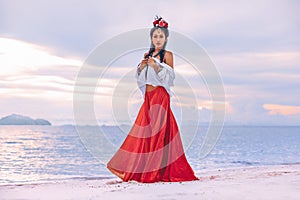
153,151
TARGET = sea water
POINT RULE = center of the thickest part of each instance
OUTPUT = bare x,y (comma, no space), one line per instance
43,153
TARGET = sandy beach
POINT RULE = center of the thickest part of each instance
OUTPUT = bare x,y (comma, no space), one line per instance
263,182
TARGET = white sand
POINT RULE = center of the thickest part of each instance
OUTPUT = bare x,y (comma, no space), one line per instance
267,182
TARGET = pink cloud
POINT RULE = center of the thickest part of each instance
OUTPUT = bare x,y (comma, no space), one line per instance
282,109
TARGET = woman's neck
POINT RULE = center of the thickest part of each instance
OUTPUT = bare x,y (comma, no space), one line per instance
157,50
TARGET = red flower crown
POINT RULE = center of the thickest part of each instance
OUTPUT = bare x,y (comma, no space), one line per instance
160,22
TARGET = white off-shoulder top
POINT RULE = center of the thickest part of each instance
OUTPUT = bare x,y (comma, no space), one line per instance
164,77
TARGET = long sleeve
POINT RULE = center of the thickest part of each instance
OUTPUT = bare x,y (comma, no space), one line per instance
166,76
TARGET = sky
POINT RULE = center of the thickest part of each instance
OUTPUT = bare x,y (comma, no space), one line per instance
255,46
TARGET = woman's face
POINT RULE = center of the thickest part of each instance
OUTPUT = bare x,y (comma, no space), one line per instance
158,39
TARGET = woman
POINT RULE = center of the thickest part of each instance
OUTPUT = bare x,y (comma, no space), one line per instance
153,151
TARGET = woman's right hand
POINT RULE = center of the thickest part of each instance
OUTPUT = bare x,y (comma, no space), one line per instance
144,62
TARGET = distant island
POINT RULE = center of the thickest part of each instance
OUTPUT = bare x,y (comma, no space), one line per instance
15,119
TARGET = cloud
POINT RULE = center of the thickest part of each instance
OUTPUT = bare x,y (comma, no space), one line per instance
254,44
282,109
18,56
272,76
21,64
79,26
256,61
36,79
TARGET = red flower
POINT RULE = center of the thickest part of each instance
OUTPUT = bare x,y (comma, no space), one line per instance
160,22
166,25
155,22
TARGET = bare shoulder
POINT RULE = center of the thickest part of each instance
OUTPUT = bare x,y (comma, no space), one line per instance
168,58
168,53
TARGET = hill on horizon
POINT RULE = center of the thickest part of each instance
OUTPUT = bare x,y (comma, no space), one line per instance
16,119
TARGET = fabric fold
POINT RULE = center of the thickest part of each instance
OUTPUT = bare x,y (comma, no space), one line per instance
165,77
153,150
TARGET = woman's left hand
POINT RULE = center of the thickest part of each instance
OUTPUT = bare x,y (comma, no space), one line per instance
152,63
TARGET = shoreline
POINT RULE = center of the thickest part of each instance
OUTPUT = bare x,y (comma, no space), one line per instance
112,176
253,182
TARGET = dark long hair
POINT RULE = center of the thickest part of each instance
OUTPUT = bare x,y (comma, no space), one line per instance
152,48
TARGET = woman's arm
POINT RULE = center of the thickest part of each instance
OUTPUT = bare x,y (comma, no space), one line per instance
153,64
169,58
166,74
143,63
